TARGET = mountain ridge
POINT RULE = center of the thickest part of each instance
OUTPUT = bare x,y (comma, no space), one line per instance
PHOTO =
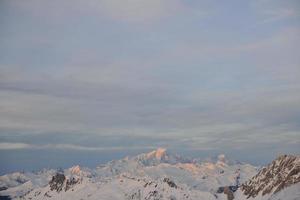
282,172
158,175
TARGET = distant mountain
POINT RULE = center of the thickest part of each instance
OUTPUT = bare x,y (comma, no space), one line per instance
160,156
157,175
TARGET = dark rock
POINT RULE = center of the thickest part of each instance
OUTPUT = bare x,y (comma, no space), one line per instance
57,182
220,190
233,188
5,198
154,195
71,183
229,193
228,190
3,188
170,182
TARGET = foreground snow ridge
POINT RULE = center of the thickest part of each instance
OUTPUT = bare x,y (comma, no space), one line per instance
159,175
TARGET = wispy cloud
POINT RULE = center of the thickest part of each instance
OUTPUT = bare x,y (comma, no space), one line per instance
16,146
130,11
279,14
12,146
273,11
139,11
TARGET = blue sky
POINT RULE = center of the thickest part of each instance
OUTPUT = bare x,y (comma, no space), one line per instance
106,78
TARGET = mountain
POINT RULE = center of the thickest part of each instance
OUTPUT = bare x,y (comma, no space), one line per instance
157,175
279,180
160,156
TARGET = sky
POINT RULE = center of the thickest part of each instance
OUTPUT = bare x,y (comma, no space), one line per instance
85,82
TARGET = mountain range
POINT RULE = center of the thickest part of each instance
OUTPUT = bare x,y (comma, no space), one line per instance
160,175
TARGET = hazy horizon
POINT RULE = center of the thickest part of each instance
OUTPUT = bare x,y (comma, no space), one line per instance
63,159
88,82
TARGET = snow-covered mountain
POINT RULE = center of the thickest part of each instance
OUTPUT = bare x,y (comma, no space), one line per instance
279,180
155,175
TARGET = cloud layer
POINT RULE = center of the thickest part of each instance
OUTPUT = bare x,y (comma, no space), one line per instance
121,75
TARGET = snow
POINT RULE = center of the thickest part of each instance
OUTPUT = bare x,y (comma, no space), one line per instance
155,175
122,188
289,193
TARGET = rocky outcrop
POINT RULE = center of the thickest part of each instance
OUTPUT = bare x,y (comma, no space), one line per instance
3,188
57,182
5,198
170,182
71,182
281,173
228,190
229,193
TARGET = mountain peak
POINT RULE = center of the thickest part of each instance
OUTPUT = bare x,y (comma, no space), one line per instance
159,153
75,170
222,158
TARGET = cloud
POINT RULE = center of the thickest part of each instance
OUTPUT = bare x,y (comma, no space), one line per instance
139,11
280,14
273,11
87,75
11,146
131,98
204,120
16,146
273,57
131,11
